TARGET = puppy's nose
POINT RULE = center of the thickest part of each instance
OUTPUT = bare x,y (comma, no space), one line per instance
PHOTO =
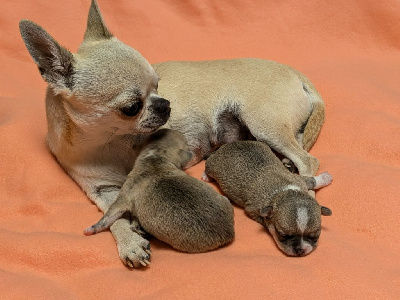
161,106
299,251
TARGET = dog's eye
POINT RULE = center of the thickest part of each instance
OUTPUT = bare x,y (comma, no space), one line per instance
287,237
312,239
132,110
284,237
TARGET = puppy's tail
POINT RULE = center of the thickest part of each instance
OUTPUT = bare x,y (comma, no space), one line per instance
114,212
313,125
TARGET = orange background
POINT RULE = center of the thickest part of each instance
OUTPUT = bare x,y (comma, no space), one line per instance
349,49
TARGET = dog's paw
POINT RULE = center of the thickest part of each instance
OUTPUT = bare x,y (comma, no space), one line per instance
289,165
322,180
205,177
135,251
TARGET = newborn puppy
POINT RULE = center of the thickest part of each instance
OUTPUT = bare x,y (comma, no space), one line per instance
251,175
174,207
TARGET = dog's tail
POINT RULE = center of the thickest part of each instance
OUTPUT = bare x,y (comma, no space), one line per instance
114,212
314,123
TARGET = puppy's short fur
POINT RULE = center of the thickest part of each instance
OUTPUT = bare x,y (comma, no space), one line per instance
104,100
251,175
176,208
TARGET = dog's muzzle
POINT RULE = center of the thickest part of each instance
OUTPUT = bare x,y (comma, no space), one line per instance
159,112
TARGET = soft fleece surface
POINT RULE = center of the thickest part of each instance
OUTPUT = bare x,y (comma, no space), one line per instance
349,49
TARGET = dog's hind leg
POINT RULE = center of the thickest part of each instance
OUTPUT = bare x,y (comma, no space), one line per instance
113,213
133,249
281,139
317,182
287,162
312,127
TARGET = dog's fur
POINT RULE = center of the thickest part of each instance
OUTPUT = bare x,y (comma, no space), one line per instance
251,175
102,102
174,207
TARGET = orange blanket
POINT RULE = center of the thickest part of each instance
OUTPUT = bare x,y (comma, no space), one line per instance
349,49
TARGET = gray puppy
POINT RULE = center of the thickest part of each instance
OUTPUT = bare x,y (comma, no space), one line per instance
174,207
252,176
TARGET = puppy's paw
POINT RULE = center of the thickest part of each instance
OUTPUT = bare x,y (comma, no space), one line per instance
205,177
89,231
135,251
289,165
322,180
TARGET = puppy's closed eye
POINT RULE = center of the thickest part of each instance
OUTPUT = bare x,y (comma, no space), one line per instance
311,238
132,109
284,237
287,237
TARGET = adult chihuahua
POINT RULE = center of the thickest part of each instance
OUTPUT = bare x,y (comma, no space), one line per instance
104,100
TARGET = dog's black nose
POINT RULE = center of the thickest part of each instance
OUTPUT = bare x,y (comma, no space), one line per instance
161,106
299,251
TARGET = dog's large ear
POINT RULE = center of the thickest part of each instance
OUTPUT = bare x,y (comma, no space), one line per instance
96,28
266,212
185,156
54,61
325,211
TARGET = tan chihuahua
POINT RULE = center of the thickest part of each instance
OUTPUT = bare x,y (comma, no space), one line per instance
102,102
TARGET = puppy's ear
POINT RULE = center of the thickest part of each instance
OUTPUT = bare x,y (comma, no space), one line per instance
185,156
54,61
96,28
325,211
266,212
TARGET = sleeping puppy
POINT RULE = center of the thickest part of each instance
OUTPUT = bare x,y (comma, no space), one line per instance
103,101
174,207
251,175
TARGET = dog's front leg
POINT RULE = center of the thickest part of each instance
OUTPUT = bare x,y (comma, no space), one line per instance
133,249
